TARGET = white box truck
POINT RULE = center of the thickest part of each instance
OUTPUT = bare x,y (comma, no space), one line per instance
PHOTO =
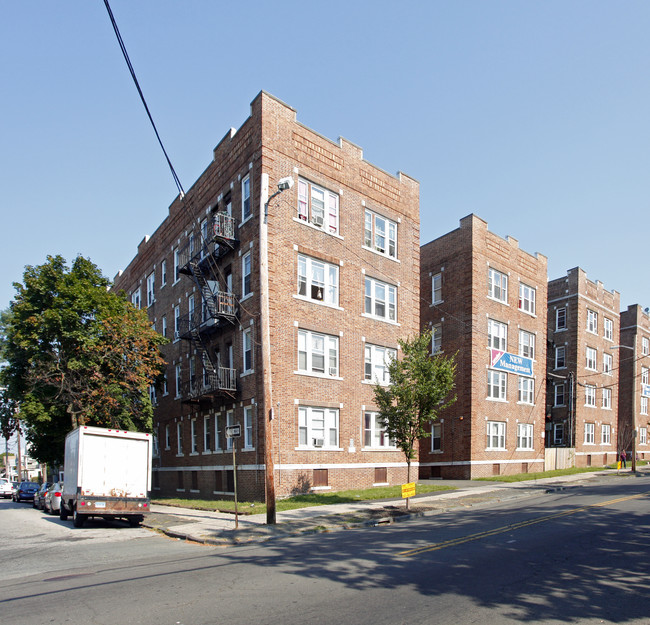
107,473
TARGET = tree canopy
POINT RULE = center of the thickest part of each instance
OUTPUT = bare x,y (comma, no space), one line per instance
420,387
76,353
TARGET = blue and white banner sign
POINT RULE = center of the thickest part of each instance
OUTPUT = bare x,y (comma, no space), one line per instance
504,361
645,390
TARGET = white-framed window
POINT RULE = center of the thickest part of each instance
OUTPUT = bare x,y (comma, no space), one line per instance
230,421
318,206
559,395
590,433
246,271
168,437
191,308
590,395
163,273
436,437
248,427
165,389
318,280
163,324
591,359
645,346
436,338
496,435
318,354
497,381
436,288
177,265
374,434
607,398
558,433
152,395
497,334
645,375
497,285
217,433
560,357
608,364
135,298
380,234
318,427
592,321
527,298
526,390
247,350
246,205
151,286
194,437
177,375
524,436
177,322
560,318
376,359
643,436
605,434
381,300
644,405
179,438
207,432
608,328
527,344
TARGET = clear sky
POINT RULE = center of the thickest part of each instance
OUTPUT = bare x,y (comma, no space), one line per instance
534,115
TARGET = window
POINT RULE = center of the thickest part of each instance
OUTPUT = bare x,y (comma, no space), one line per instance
607,398
590,395
496,435
498,285
177,266
376,361
163,273
644,405
374,433
591,355
497,385
527,344
497,335
560,319
318,207
248,427
643,436
380,234
318,427
526,390
608,328
246,206
558,433
318,353
205,237
151,283
217,433
589,434
607,364
247,343
436,437
165,390
605,434
318,280
436,338
207,434
246,274
560,357
230,421
177,322
559,395
524,436
194,437
527,298
381,300
436,288
135,298
179,439
178,380
645,375
645,346
592,321
168,441
164,325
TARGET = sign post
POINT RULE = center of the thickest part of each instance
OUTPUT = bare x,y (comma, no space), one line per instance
234,431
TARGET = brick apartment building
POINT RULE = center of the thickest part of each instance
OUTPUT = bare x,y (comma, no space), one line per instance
485,299
634,381
281,311
584,325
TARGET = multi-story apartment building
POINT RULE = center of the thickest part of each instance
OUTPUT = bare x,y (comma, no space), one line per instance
634,381
583,335
282,309
485,300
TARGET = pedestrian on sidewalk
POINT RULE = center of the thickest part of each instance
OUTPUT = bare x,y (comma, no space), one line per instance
623,458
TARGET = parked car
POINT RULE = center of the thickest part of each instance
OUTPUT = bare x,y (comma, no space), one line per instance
39,497
25,491
52,504
6,489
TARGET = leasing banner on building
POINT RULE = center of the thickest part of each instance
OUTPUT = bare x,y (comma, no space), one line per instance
504,361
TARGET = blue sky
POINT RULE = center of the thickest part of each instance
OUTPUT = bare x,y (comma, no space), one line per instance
535,115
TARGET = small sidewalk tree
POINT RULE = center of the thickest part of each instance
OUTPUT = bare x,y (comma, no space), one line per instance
420,387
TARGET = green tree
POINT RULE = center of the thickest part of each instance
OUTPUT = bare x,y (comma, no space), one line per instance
77,353
8,423
420,387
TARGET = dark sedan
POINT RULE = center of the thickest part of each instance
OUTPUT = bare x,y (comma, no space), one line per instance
26,491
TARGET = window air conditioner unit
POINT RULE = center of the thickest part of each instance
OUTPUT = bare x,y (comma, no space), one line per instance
177,334
319,442
333,371
317,220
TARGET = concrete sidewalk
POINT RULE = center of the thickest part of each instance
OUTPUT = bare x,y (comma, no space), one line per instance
216,528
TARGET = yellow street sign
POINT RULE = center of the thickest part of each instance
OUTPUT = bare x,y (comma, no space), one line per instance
408,490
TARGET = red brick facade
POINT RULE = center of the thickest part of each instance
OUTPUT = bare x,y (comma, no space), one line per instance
479,292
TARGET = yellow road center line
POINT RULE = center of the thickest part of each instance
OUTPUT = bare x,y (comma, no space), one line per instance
508,528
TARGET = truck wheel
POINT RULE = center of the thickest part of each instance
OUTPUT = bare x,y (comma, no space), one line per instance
63,512
78,520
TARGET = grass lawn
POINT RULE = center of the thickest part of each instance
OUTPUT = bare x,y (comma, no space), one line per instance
302,501
522,477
